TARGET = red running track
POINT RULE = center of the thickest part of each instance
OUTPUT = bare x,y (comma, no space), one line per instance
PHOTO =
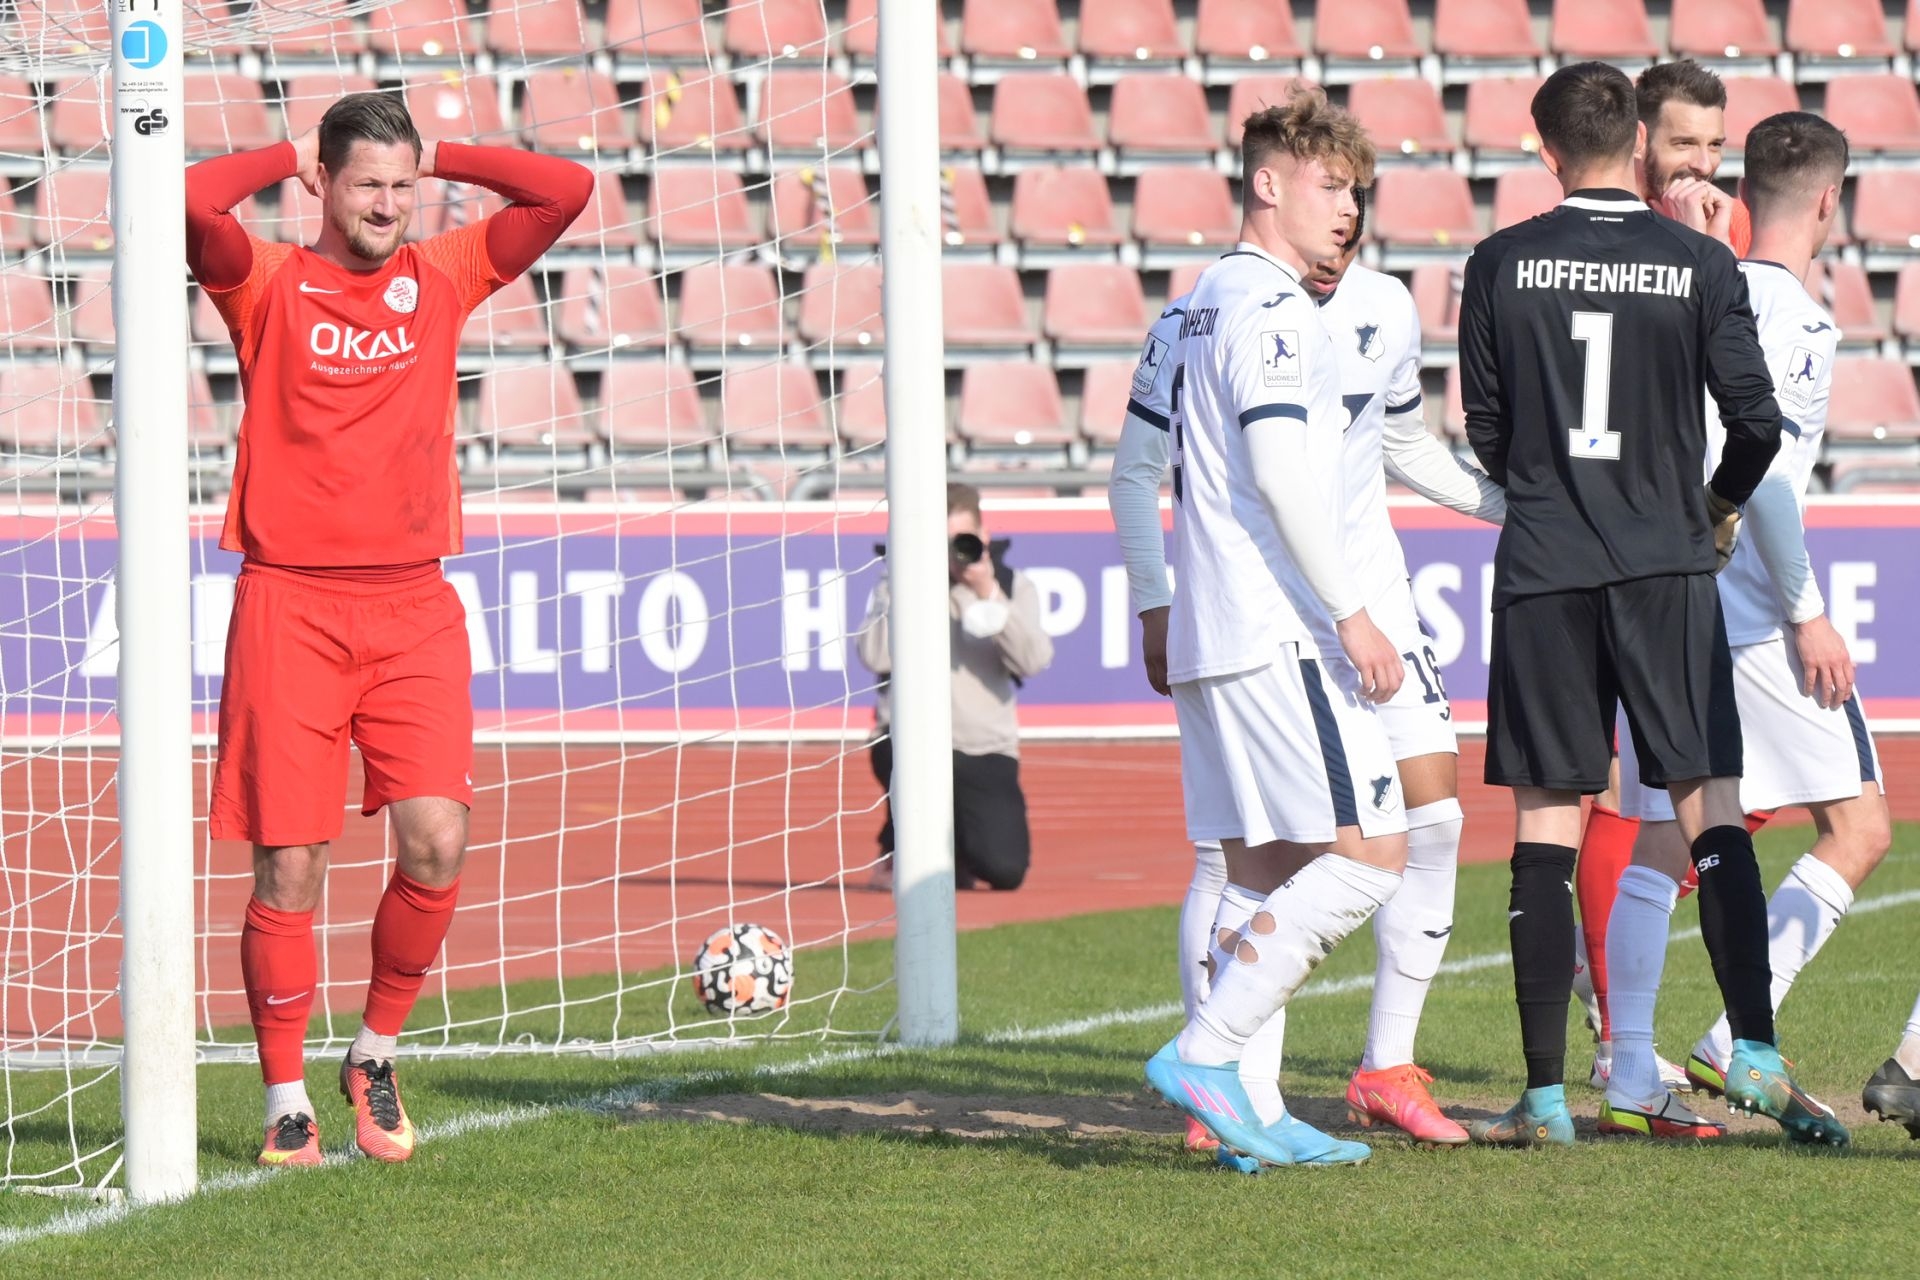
591,860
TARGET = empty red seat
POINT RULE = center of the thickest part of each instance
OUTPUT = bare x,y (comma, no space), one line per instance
573,110
90,313
1523,194
19,118
204,324
1012,31
26,311
1235,31
613,310
16,220
732,307
967,217
1159,115
205,435
449,107
657,31
1183,277
840,309
1751,99
1364,30
73,211
1251,94
1043,113
1873,399
691,113
861,35
651,404
1602,29
818,209
1876,112
448,206
424,29
77,117
537,32
809,111
1013,404
1838,29
695,206
1843,289
1906,303
329,38
773,406
1423,208
764,29
981,306
47,409
1491,30
1095,304
607,221
860,404
1436,297
1721,29
225,112
1403,116
305,98
1873,475
534,406
297,215
1913,25
1184,208
1886,209
512,319
1069,207
959,122
1500,115
1130,31
1103,400
61,28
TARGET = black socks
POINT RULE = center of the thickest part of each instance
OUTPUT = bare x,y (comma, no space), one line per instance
1733,921
1540,924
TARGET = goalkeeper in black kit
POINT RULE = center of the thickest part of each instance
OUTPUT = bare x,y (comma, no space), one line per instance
1589,339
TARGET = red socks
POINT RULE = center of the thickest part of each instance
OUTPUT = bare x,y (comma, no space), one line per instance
1606,848
280,968
408,930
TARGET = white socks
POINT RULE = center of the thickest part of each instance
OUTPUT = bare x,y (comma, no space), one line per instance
1636,956
1293,931
1236,907
1260,1061
1908,1054
370,1044
288,1099
1196,921
1411,930
1801,916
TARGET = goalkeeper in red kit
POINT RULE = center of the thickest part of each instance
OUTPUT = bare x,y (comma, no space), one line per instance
345,497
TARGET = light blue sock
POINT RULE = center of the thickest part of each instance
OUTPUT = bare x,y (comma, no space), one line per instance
1547,1098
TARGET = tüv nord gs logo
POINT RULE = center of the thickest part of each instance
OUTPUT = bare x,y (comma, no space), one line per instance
349,343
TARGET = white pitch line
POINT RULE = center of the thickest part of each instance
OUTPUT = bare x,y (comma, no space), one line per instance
83,1221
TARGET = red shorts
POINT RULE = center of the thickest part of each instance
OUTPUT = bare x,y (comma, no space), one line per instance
316,664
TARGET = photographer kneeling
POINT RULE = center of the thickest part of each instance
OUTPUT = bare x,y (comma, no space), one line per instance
996,643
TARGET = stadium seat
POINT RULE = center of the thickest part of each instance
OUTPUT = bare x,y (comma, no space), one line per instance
651,405
1012,32
1519,194
206,438
730,307
982,309
77,120
1042,114
90,311
840,311
1873,401
1402,116
513,319
1157,118
19,118
449,107
700,208
818,211
1015,405
1093,308
1842,287
532,406
967,214
424,31
1836,36
1436,297
61,28
225,112
1063,208
1886,216
1714,29
573,111
773,406
959,122
73,212
297,216
1357,38
809,113
1913,25
691,114
1466,32
1182,278
1418,213
1235,36
536,32
861,36
16,221
26,313
1906,308
204,325
1751,99
1614,30
1180,212
607,221
447,206
860,403
47,409
1873,475
615,310
1877,113
1499,123
1104,393
764,30
1118,34
1250,94
641,33
305,98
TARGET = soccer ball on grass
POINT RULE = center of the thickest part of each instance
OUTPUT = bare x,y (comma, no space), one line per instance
743,968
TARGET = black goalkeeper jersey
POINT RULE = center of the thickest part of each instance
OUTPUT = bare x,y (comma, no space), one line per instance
1589,337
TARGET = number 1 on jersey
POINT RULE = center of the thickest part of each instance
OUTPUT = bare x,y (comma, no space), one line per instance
1594,330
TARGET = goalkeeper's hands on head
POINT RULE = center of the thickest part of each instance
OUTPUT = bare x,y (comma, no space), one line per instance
1725,519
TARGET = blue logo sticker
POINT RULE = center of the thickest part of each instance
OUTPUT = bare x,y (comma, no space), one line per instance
144,45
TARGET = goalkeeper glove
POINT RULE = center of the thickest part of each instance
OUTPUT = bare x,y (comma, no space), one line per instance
1725,518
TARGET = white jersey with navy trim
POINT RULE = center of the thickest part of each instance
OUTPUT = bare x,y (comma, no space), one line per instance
1375,331
1148,397
1252,355
1799,339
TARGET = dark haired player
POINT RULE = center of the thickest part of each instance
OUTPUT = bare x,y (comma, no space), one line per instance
345,497
1587,339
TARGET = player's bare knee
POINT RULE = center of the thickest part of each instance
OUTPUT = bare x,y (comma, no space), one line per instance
1861,832
289,877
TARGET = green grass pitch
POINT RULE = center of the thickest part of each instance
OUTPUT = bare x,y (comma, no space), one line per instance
1032,1147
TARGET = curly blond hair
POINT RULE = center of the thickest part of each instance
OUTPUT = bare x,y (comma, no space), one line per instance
1307,127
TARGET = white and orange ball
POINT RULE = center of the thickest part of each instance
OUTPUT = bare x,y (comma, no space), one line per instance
743,968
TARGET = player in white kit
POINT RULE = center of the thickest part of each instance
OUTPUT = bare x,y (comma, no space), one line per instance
1374,326
1806,739
1283,759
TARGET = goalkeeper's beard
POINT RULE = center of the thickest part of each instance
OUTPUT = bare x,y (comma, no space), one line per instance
372,246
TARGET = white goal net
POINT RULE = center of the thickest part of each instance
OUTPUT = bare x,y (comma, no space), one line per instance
670,445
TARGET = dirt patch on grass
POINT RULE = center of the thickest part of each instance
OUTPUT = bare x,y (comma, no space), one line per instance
977,1118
